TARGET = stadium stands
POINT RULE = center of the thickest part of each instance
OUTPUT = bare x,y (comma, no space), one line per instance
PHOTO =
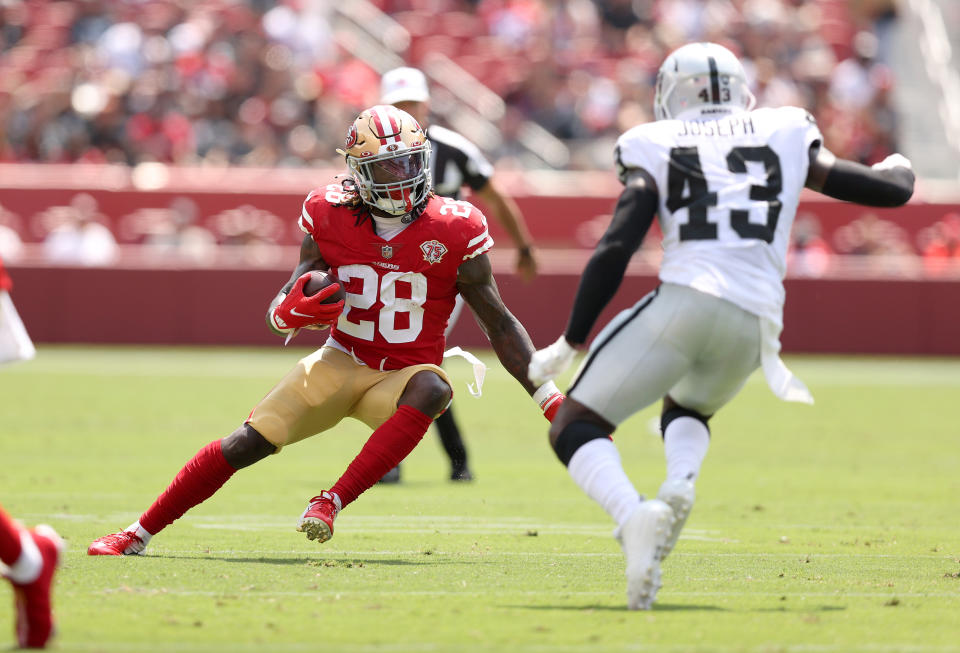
269,84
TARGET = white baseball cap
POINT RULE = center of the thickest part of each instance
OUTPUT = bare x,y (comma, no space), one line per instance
403,85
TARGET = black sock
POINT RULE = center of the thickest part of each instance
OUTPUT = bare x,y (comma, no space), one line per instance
451,440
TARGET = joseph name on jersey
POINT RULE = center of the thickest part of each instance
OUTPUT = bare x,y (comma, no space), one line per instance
400,289
728,187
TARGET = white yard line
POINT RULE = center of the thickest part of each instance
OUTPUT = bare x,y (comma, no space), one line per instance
551,594
161,552
468,647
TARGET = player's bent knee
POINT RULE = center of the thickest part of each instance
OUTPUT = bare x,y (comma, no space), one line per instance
245,446
573,436
675,411
427,392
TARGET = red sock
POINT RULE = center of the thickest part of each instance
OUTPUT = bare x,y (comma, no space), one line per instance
383,451
9,540
195,483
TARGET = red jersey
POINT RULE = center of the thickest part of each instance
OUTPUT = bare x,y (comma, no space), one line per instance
6,283
400,291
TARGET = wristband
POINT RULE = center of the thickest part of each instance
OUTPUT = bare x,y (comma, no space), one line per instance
272,320
550,399
278,324
544,392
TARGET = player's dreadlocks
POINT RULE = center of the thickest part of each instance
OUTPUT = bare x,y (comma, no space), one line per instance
361,210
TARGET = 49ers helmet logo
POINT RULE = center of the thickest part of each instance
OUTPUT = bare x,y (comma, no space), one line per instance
351,137
433,251
389,159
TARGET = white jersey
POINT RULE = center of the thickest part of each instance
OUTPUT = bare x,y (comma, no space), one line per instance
729,188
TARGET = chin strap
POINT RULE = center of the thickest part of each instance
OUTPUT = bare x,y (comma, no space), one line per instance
479,369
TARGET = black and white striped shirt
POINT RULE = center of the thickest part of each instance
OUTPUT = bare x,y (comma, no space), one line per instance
456,162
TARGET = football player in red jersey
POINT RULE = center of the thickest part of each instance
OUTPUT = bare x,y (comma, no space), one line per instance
28,559
455,163
15,343
402,254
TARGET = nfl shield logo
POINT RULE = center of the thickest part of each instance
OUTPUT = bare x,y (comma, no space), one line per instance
386,251
433,251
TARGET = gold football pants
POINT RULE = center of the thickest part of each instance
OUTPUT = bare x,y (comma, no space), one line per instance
325,387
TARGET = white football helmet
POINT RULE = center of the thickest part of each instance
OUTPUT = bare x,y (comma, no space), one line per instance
703,76
388,155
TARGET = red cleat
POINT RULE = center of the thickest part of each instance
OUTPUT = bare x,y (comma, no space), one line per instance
32,600
117,544
317,520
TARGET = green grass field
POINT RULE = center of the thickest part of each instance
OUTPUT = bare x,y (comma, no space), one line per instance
830,528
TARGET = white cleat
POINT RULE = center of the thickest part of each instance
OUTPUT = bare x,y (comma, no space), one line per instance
643,538
679,495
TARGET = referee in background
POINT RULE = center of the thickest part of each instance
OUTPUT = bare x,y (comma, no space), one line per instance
456,162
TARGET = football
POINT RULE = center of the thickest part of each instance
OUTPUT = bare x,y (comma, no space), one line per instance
318,281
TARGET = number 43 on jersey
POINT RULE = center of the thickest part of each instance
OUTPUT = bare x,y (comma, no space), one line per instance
686,174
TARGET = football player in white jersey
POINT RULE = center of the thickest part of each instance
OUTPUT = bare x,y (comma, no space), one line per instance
725,181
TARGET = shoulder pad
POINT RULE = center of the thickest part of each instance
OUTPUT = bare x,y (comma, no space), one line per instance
795,115
318,202
463,223
634,147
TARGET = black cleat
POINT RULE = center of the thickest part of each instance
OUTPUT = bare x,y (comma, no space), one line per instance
393,476
461,474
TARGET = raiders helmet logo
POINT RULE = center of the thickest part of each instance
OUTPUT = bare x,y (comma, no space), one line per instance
433,251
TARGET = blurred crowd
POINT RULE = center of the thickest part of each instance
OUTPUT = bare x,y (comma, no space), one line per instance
871,244
265,83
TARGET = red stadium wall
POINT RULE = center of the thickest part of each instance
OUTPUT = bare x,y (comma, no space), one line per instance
226,307
554,222
561,211
138,303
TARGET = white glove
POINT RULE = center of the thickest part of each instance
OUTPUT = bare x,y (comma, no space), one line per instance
550,362
893,161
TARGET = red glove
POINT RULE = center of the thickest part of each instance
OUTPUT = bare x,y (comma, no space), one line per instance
550,398
296,310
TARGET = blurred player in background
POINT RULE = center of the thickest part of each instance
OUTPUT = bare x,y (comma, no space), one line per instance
725,181
402,254
28,559
456,162
15,343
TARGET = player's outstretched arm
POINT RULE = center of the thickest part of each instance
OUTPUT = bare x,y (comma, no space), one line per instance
603,274
310,259
888,183
632,217
507,336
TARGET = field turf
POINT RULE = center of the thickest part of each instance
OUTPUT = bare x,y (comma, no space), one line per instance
830,528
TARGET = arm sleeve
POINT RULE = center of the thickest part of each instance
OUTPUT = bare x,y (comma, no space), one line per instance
854,182
601,278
